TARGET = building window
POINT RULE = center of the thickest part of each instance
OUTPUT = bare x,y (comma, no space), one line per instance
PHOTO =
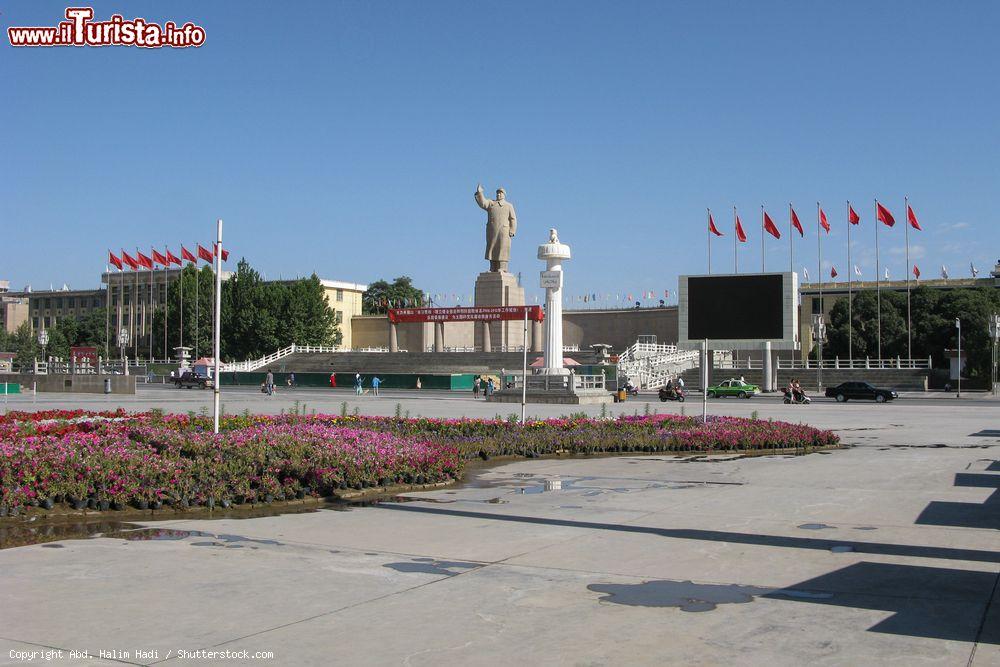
339,317
340,295
47,325
97,302
72,302
34,322
46,302
817,305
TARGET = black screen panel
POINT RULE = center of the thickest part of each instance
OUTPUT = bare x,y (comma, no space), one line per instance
735,307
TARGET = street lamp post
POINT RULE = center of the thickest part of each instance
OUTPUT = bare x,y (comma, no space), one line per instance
994,327
819,333
43,340
958,325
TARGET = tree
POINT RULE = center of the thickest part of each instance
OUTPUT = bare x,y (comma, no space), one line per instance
197,333
932,317
382,295
25,346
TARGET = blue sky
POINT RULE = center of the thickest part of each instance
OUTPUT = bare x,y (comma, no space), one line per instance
347,138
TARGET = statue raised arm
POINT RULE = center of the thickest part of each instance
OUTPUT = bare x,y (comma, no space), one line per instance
501,225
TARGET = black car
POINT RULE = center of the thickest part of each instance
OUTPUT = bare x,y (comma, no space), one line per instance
860,391
190,379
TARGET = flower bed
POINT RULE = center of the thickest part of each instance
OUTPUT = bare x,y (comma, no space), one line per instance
146,460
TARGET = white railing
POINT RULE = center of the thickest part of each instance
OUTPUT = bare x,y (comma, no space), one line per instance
856,364
554,382
740,364
254,364
589,381
650,365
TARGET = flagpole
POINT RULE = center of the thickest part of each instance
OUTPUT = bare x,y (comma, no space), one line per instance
708,231
152,275
197,303
850,291
878,287
819,273
180,284
135,305
107,314
791,252
121,308
906,233
762,238
166,305
736,263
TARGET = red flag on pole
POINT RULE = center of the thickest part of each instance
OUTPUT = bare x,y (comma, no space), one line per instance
884,215
852,217
823,222
225,253
770,227
711,226
115,260
916,272
833,272
132,264
144,261
912,218
186,254
204,254
740,234
795,221
172,259
159,259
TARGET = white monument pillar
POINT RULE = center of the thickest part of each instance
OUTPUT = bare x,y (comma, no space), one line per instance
553,253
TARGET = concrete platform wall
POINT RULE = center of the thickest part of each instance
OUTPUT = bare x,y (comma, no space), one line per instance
75,384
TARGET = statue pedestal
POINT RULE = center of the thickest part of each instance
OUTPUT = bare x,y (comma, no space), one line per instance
499,288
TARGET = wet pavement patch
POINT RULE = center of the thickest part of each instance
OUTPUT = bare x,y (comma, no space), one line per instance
52,546
151,534
689,596
446,568
815,526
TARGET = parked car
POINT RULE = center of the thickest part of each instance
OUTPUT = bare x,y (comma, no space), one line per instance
189,379
860,391
733,388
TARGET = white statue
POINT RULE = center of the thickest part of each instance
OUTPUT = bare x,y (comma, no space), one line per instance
501,224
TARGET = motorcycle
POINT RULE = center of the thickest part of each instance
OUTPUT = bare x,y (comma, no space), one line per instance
672,394
802,399
630,389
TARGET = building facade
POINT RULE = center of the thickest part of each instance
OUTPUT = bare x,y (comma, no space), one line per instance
344,300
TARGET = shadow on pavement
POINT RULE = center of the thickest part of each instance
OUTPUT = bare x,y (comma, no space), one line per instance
880,548
967,515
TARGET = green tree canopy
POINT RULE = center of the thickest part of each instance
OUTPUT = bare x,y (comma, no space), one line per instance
382,295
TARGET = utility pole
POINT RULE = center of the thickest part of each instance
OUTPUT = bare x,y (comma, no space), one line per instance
958,325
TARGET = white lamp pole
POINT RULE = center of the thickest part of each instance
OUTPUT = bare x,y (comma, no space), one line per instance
958,325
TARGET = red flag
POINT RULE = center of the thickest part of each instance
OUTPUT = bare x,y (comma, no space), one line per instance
884,215
172,259
186,254
916,272
225,253
823,221
833,272
711,226
144,261
795,221
132,264
912,218
115,260
159,259
852,217
770,227
740,234
204,254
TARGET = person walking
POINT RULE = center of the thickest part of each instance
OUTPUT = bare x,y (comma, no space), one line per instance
376,381
333,380
418,383
269,383
291,379
475,387
358,383
489,387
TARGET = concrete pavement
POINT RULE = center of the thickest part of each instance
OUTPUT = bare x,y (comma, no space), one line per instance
883,552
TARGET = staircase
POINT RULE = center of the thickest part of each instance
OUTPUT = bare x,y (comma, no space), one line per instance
650,365
254,364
